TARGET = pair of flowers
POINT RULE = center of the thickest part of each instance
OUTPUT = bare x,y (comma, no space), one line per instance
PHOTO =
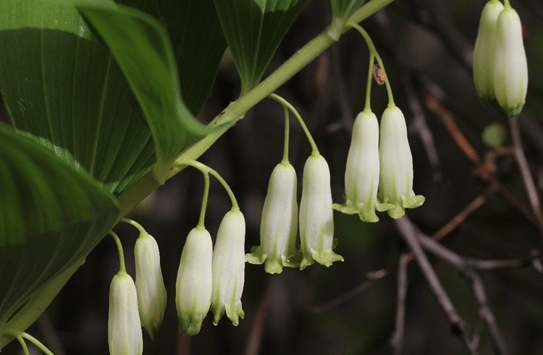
388,162
212,278
132,306
500,69
281,218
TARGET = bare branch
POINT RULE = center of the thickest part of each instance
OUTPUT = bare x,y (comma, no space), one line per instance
529,184
458,325
397,337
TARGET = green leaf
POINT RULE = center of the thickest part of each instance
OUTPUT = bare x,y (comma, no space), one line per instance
197,41
143,50
51,215
253,30
342,10
62,86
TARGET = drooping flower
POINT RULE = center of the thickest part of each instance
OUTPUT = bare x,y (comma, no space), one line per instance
396,164
229,267
484,52
149,284
510,66
194,281
124,327
279,223
362,171
316,214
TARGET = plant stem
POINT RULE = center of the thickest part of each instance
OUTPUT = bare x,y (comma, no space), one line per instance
37,343
373,51
122,267
206,169
17,335
286,104
287,131
135,224
38,304
367,107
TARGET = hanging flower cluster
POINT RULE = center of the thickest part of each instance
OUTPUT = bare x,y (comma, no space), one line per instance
379,158
211,278
281,217
500,69
207,278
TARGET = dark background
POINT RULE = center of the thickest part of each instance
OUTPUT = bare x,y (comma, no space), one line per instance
426,46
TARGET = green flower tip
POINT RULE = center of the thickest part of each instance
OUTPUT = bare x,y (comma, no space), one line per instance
272,265
190,325
278,226
233,312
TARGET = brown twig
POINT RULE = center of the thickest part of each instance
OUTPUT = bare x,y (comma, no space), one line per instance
396,340
458,325
529,185
259,323
467,267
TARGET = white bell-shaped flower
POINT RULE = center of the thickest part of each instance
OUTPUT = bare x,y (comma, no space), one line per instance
229,267
362,171
484,52
149,284
510,66
316,214
396,164
124,327
194,281
279,223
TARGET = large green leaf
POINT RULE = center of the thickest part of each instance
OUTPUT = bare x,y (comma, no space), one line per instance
51,215
143,50
197,41
62,86
253,30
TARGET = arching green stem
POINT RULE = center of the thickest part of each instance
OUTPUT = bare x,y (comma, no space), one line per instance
286,104
367,107
37,343
201,221
373,51
17,335
287,131
122,267
20,335
135,224
207,170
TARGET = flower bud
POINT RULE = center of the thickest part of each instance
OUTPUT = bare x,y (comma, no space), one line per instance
316,214
279,223
510,66
396,164
229,267
124,326
362,171
149,284
484,52
194,281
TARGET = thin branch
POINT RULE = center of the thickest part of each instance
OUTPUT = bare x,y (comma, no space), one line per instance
458,325
396,341
426,135
477,286
259,323
531,190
